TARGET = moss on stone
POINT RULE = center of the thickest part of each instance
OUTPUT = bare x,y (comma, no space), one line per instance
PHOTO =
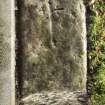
53,46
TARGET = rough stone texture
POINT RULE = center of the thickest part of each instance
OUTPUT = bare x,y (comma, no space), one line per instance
55,98
53,36
7,53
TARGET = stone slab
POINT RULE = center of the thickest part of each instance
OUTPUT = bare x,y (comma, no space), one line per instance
53,43
7,53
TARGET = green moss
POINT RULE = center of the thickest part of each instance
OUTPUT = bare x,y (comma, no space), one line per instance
96,53
98,99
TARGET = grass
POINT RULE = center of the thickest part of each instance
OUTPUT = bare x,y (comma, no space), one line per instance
96,52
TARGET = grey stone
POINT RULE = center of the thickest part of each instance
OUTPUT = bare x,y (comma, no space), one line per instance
7,53
55,98
53,43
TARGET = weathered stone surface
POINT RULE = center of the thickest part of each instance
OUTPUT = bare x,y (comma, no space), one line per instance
7,53
55,98
53,46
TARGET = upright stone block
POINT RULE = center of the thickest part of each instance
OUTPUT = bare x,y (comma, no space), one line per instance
53,36
7,53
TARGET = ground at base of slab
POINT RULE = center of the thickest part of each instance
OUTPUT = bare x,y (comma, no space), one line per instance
56,98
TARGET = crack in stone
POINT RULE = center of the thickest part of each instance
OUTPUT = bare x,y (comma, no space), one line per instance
58,9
